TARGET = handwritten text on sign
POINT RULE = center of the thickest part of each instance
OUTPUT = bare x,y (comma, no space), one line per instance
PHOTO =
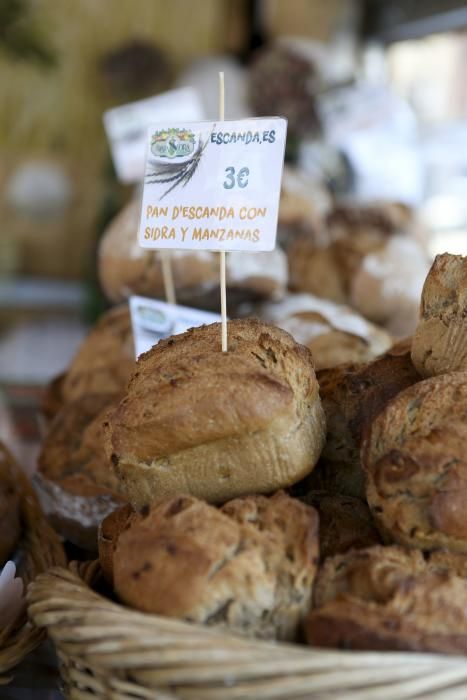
213,185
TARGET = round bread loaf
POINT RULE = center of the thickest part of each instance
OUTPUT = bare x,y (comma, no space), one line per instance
247,567
388,598
344,523
334,334
125,269
352,396
315,269
416,465
440,340
214,424
75,482
10,525
387,284
105,359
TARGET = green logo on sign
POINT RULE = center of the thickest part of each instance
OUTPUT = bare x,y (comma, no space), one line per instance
173,143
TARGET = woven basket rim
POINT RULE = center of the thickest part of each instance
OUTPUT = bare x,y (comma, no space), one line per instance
110,651
40,548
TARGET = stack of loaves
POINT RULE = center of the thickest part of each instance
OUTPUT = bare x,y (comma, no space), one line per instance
274,502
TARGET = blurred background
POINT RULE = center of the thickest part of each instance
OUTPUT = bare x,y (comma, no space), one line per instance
376,172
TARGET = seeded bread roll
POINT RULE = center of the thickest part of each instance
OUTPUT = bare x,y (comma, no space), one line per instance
440,340
125,269
214,424
352,396
388,598
10,525
344,523
75,482
334,333
247,567
105,359
416,465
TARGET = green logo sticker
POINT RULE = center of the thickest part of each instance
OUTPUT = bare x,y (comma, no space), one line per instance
173,143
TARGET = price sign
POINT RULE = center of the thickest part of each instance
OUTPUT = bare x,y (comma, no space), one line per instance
126,127
213,185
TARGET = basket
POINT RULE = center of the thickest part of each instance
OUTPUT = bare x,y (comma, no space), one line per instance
38,549
109,651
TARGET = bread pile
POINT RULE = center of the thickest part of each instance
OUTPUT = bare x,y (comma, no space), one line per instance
268,500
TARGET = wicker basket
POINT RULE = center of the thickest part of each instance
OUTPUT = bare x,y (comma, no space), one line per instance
108,651
38,549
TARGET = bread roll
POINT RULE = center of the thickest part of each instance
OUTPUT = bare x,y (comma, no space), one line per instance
440,340
217,425
333,333
415,460
125,269
344,523
316,270
247,567
10,525
352,396
108,533
388,598
105,359
386,286
75,483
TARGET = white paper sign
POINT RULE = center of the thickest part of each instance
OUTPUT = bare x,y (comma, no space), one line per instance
152,320
213,185
126,127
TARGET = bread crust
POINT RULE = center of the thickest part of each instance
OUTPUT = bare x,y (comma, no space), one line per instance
415,460
248,566
440,340
217,425
388,598
10,529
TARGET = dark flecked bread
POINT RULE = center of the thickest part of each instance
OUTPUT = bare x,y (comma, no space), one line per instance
10,525
248,566
352,396
344,523
217,425
440,340
105,359
76,484
386,598
416,465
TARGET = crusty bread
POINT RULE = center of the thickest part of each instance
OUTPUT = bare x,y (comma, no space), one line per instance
334,333
344,522
105,359
10,525
352,396
388,598
440,340
75,482
108,533
315,269
248,567
125,269
416,464
387,284
217,425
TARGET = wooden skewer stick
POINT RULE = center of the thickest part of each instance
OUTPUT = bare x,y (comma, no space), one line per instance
167,276
222,253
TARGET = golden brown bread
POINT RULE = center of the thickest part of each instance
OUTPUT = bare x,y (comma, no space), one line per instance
217,425
334,333
105,359
416,464
10,523
440,340
248,566
388,598
108,533
315,269
75,482
344,523
352,396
